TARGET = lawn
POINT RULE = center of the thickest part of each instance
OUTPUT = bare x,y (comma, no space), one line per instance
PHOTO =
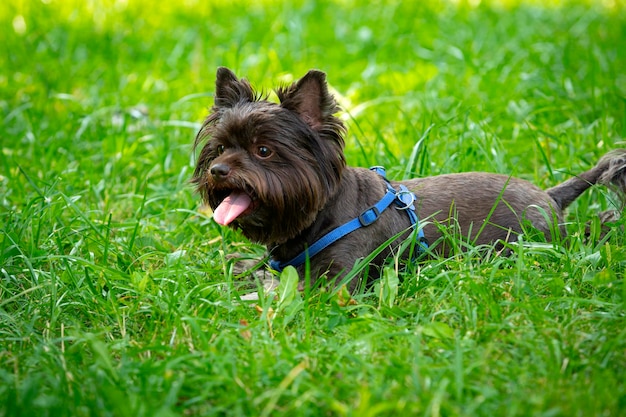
117,295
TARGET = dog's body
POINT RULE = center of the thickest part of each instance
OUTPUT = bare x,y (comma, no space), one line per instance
277,172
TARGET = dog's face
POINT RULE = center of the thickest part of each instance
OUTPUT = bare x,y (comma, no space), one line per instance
269,168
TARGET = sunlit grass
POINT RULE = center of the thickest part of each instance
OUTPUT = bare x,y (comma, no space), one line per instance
117,296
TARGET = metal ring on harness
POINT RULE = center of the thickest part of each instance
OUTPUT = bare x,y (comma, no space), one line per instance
407,205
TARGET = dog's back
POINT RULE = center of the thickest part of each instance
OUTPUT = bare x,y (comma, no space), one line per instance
482,208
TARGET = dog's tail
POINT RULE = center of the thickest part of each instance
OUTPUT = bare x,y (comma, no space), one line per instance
610,171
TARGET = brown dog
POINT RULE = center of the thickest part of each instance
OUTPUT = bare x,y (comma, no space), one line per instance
277,172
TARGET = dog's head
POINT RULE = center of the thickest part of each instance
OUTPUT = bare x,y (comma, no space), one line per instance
269,168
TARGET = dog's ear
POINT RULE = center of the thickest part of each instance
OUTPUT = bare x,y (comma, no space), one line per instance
229,90
310,99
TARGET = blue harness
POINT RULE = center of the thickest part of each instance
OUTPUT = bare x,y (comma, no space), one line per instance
402,198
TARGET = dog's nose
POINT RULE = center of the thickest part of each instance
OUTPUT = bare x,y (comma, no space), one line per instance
219,171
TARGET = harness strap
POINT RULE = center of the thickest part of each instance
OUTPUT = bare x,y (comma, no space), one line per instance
403,199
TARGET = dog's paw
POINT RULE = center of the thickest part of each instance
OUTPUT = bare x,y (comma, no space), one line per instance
607,220
246,268
609,216
253,274
269,284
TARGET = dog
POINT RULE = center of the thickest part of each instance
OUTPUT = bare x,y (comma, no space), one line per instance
277,172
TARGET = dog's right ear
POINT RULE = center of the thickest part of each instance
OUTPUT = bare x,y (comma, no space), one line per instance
229,90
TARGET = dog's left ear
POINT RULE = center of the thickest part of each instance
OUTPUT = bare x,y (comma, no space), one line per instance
310,99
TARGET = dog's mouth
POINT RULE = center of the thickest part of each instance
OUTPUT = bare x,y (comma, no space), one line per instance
235,204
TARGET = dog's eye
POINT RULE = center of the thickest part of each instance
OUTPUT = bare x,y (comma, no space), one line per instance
263,152
219,149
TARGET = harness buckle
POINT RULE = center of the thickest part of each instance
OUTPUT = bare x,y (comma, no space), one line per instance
366,218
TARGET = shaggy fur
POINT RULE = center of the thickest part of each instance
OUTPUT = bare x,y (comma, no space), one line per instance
287,162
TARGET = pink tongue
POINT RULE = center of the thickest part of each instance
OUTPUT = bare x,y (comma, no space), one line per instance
232,206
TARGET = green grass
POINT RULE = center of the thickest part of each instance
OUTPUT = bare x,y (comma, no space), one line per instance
116,296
